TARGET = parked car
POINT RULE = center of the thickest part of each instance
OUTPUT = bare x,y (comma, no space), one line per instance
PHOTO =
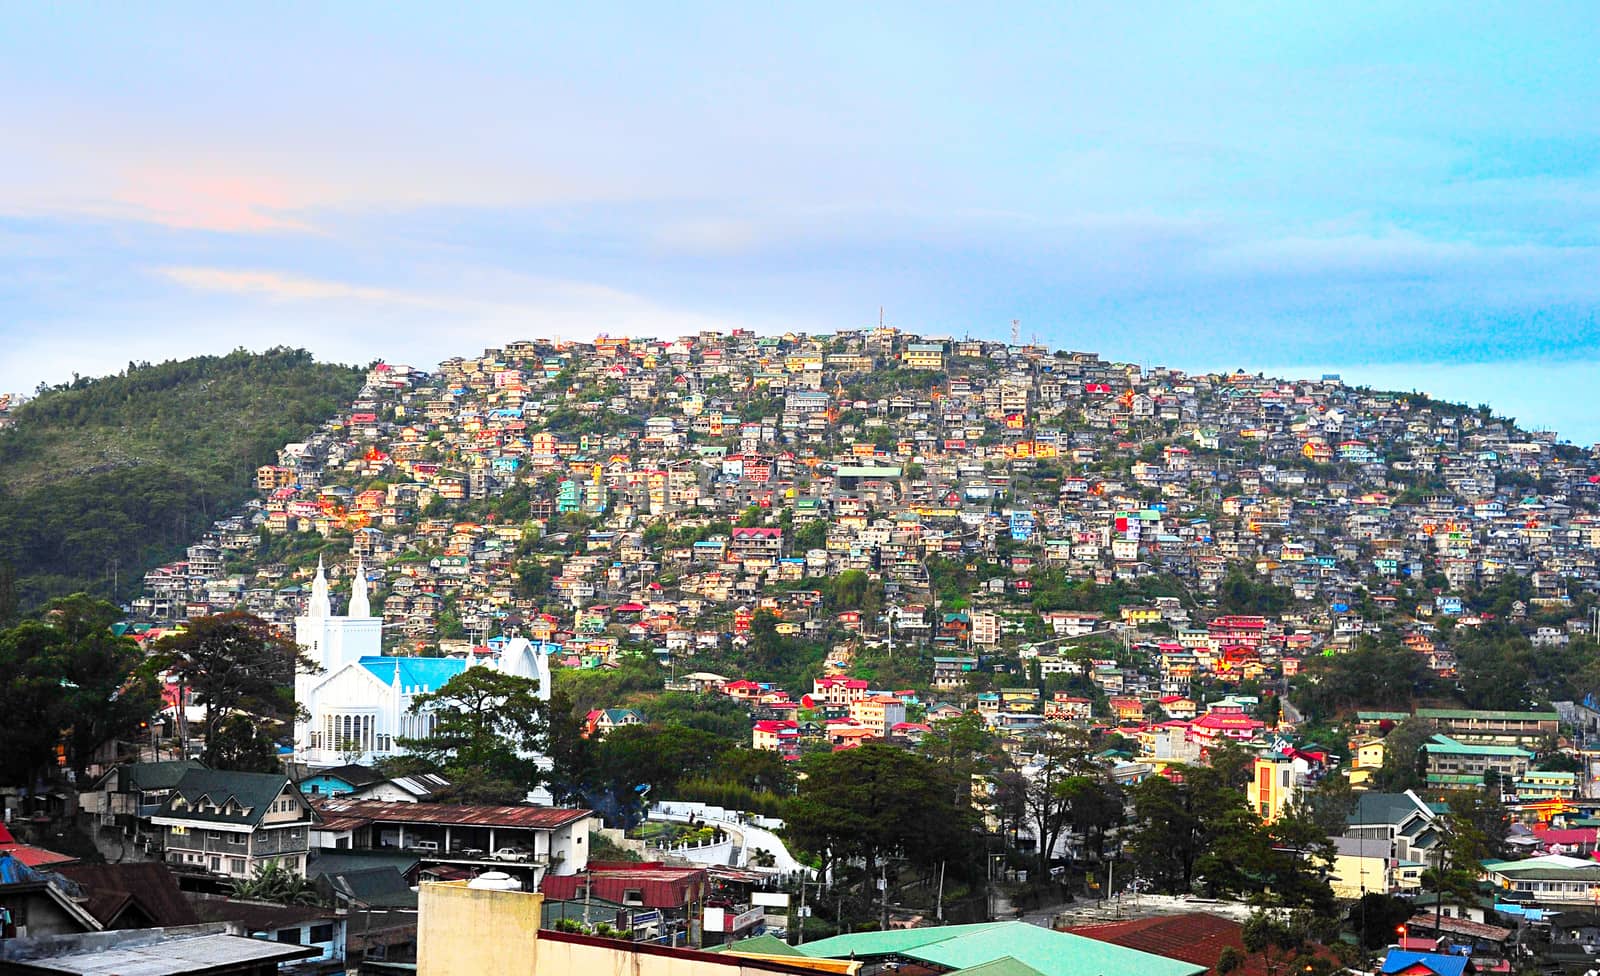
509,854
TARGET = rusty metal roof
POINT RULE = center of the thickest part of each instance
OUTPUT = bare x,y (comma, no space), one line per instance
465,815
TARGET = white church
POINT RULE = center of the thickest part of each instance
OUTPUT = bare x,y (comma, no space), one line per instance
360,702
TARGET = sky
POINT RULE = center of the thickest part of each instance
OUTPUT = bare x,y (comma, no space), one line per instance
1406,194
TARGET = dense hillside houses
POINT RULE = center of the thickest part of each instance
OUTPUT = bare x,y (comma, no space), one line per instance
1326,599
604,498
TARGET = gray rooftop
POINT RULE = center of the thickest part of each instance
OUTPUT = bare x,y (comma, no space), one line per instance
163,956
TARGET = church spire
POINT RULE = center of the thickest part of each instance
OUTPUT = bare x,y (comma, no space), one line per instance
359,607
319,605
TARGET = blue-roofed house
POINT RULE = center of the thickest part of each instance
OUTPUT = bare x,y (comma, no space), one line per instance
1404,962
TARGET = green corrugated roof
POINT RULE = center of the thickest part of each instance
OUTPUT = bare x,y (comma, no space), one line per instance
1450,747
1474,713
1004,966
761,945
969,946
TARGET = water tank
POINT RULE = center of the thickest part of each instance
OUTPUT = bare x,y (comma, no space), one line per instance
495,881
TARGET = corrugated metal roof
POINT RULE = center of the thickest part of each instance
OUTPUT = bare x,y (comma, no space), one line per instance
527,818
970,946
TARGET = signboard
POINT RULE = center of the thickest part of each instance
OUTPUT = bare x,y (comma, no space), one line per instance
745,920
715,918
641,919
770,899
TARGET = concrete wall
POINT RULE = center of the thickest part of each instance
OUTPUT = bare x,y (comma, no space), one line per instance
466,930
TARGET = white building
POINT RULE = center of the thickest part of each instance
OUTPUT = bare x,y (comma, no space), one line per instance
359,704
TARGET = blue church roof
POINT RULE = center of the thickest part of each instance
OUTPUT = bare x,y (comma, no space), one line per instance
431,672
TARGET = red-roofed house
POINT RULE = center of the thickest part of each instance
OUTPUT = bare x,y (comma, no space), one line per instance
838,691
1214,726
778,735
27,854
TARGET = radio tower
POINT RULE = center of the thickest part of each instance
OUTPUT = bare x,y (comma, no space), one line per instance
1016,332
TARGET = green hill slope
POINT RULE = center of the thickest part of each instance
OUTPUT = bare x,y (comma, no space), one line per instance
104,479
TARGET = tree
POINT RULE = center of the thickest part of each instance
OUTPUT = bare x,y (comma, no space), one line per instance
242,744
234,663
1273,937
1058,771
486,728
1328,805
68,681
874,802
275,883
1402,757
962,746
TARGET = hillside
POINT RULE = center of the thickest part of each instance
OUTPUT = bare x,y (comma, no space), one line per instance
105,478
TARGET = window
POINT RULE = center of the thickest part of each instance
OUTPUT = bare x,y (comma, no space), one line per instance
216,864
237,840
632,896
236,865
289,936
321,933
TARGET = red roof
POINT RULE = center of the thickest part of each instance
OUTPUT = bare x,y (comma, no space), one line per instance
527,818
30,856
1195,937
658,886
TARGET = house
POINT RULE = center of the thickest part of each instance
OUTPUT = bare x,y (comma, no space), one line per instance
1127,709
229,824
1453,765
1402,821
315,928
953,672
1366,865
880,713
1550,879
601,721
130,894
340,780
129,794
1407,962
28,856
32,907
555,839
778,735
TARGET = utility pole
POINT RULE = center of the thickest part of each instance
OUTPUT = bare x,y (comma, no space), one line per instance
883,893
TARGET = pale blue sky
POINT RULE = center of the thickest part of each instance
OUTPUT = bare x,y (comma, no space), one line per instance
1403,192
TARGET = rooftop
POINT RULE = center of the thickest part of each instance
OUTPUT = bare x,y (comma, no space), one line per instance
968,946
526,818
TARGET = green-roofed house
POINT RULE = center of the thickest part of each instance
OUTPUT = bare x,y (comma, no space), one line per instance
1000,949
227,824
131,793
1456,765
1492,727
1553,879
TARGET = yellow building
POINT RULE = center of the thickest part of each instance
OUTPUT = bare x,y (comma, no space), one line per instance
1273,786
463,930
924,355
1363,866
1366,760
